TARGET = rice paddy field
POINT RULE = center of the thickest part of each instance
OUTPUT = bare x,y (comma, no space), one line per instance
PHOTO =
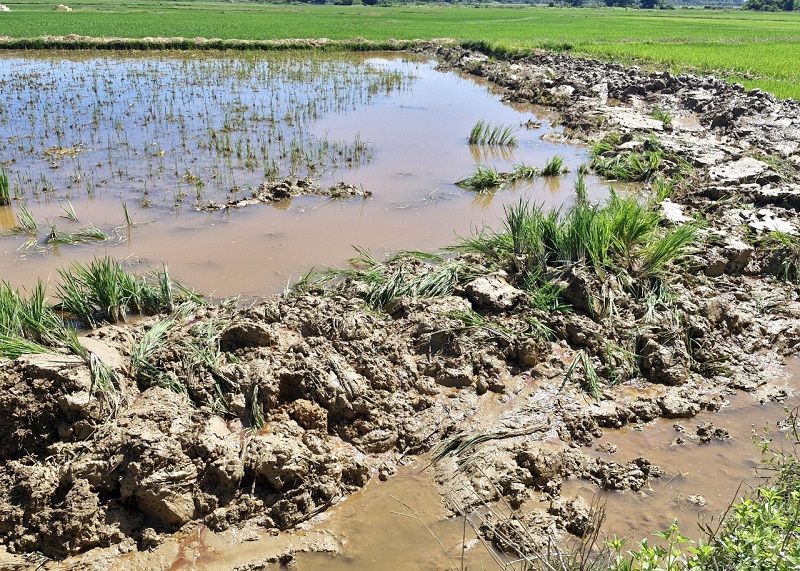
150,157
757,49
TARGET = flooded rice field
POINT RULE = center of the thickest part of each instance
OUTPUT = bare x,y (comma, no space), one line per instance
120,154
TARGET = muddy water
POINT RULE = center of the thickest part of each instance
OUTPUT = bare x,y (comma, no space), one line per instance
700,480
155,153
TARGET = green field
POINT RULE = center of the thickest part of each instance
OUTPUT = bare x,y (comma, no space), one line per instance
758,49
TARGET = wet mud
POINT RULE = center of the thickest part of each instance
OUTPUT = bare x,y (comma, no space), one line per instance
312,396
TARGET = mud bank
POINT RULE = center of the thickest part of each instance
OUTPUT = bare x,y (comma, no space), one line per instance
271,414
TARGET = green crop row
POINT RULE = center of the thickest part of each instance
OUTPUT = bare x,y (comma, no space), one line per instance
756,48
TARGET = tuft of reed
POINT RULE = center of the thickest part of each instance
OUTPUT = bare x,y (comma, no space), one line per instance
484,133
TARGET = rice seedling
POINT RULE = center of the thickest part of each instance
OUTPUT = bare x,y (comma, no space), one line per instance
523,172
5,189
13,346
26,224
127,216
255,411
89,234
553,167
69,212
407,273
581,190
473,321
621,236
103,291
661,115
305,284
663,188
590,382
484,133
142,366
483,179
786,250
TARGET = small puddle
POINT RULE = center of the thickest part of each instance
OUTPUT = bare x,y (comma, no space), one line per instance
85,135
699,480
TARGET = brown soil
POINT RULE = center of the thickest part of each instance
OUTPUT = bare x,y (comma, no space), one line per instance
316,393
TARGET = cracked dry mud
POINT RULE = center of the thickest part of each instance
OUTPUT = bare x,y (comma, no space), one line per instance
339,392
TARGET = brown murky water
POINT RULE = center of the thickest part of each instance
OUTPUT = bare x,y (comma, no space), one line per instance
142,152
699,480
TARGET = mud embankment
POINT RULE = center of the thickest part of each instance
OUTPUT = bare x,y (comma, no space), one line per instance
272,413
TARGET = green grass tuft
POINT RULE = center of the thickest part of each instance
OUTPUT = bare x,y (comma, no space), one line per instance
484,133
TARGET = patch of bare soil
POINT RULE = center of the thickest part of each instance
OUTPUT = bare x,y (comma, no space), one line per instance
287,406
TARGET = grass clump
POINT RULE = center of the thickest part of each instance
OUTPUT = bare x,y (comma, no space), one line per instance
624,234
102,291
486,179
484,133
638,165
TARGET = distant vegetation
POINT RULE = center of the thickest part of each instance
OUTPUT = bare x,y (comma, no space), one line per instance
754,48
